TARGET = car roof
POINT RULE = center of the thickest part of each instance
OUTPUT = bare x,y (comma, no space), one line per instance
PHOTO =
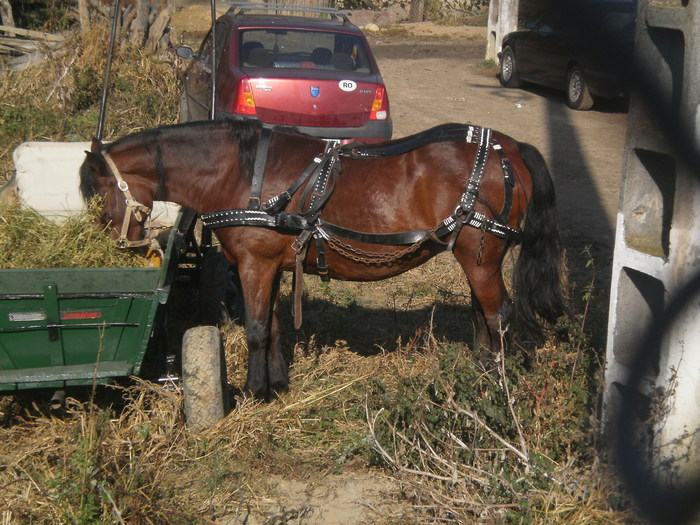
296,22
241,16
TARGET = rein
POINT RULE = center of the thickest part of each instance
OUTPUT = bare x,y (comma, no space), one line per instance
133,208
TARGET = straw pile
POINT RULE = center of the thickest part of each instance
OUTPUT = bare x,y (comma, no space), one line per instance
28,240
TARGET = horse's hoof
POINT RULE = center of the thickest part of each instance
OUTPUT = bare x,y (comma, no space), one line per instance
484,357
257,392
279,388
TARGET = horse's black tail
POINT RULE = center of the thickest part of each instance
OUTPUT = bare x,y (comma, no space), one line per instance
537,278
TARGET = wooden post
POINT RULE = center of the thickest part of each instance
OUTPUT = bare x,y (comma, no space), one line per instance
6,13
139,26
416,11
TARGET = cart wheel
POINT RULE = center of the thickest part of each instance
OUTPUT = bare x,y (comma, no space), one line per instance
204,377
220,296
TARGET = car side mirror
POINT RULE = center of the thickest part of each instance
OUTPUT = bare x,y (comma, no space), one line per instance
184,52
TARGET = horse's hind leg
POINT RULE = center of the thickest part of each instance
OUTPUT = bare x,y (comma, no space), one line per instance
490,302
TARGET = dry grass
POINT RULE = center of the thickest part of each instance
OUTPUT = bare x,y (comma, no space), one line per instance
125,455
28,240
463,443
59,101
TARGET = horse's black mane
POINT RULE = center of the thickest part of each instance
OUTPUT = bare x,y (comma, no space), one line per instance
87,185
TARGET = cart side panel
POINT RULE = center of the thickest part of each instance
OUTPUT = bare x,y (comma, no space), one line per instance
74,325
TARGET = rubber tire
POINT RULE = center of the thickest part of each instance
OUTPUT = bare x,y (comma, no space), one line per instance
220,295
508,75
577,94
204,383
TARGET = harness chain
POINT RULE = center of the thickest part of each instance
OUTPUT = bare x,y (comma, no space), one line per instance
376,258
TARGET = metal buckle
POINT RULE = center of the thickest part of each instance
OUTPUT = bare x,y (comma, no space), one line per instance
301,241
252,201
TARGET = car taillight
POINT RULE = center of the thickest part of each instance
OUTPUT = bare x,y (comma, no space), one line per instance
380,106
245,103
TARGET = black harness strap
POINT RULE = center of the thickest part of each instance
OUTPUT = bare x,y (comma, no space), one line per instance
259,168
471,193
508,186
279,202
399,238
318,187
293,222
443,133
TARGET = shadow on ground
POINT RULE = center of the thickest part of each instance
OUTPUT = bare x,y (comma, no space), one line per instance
370,331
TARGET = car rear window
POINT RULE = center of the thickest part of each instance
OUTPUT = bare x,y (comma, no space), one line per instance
293,48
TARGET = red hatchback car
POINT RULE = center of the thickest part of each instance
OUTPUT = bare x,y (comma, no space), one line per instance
316,74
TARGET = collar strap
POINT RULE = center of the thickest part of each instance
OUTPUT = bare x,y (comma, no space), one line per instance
133,207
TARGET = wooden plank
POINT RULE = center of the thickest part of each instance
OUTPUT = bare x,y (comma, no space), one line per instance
51,37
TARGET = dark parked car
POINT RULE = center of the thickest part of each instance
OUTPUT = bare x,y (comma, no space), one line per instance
584,48
317,74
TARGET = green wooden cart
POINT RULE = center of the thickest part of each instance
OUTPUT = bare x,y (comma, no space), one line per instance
71,327
67,327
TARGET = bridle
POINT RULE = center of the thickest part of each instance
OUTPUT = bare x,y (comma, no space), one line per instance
134,208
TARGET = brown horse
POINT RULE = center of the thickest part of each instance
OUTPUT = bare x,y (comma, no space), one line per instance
363,214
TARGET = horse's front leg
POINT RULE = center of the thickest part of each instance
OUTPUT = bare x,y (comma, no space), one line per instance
277,366
260,292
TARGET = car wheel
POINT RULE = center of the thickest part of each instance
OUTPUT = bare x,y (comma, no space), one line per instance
204,383
577,94
509,73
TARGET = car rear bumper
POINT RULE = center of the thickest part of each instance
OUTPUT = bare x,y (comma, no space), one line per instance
373,131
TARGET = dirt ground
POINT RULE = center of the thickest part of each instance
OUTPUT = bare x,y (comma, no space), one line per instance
436,74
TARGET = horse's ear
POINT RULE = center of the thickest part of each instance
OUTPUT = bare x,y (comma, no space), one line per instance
95,162
95,145
92,158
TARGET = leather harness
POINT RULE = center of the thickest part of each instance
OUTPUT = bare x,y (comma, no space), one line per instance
133,208
320,178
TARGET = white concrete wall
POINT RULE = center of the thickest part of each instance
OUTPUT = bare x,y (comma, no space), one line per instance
47,177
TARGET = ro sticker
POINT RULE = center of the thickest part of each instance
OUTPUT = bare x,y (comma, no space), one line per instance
347,85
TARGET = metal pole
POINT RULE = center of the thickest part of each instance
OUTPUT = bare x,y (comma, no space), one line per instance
212,107
108,67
